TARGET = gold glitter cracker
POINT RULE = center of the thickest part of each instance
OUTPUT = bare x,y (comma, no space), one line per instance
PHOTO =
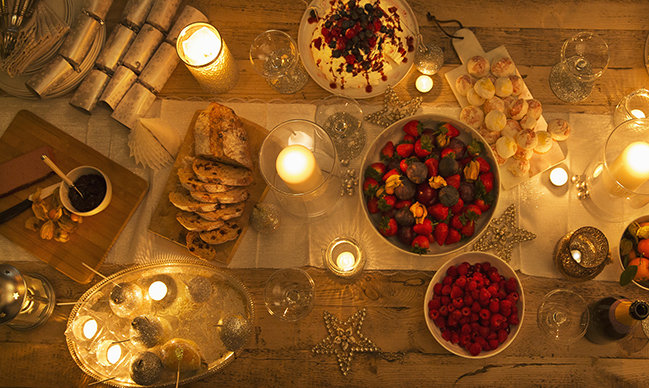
394,109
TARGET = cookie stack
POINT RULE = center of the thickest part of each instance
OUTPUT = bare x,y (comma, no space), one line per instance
214,182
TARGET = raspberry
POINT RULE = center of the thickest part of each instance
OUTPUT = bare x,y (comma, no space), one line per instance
486,266
494,277
484,294
513,319
443,311
472,285
434,304
474,317
494,305
445,300
452,271
468,300
493,344
446,289
446,334
456,292
447,280
496,320
466,311
502,336
455,337
475,349
484,331
457,315
461,281
493,289
475,307
440,322
433,314
513,297
458,303
437,289
505,307
463,268
511,285
485,314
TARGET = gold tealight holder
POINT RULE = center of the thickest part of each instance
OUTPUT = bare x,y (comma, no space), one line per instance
344,257
582,254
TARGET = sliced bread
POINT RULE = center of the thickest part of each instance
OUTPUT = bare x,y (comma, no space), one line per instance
194,222
226,212
198,247
219,135
236,195
189,181
224,174
183,201
228,232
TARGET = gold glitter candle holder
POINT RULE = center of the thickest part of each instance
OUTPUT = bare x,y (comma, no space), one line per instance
582,254
207,57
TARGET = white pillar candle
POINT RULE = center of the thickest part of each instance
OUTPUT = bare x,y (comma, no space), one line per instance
631,167
424,83
298,168
346,261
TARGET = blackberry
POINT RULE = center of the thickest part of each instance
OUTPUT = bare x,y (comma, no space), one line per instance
336,53
349,68
332,44
356,51
366,65
359,57
328,24
347,24
313,14
368,7
356,39
384,29
349,45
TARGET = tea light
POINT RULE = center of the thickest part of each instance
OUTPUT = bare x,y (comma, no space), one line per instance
109,353
344,257
558,177
113,354
207,57
298,168
157,290
633,106
90,328
638,114
631,167
424,83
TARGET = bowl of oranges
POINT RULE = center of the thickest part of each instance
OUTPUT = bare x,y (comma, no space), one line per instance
634,253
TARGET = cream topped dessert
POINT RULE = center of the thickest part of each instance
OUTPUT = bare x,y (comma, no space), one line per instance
356,44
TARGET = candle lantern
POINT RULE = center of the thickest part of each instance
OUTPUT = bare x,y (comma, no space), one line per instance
298,162
632,106
615,185
207,57
344,257
26,300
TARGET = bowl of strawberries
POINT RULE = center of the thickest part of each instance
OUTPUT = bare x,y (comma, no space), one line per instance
474,305
430,185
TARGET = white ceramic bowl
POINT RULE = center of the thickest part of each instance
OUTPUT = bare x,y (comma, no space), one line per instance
74,175
395,133
644,285
505,270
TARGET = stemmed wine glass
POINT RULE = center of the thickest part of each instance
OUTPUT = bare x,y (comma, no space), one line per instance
584,58
274,55
341,117
290,294
563,315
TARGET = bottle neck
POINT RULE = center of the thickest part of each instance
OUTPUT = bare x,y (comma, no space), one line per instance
639,310
628,313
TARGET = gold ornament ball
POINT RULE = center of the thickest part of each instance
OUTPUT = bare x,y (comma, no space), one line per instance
265,218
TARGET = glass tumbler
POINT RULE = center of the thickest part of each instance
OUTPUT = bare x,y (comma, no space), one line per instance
274,55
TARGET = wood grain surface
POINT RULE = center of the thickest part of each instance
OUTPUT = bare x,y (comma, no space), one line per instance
93,239
163,220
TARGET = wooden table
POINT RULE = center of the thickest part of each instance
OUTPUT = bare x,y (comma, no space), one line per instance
279,354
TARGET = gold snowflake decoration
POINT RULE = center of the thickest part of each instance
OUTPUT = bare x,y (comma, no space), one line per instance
345,339
502,233
394,109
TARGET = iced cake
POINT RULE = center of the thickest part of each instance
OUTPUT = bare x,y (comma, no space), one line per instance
356,44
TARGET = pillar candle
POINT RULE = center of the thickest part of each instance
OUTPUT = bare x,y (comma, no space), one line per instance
631,167
298,168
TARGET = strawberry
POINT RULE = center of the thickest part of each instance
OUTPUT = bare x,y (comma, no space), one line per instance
449,130
387,202
453,180
370,186
388,174
403,203
468,229
373,205
375,170
403,165
432,165
387,152
424,146
388,227
484,165
482,205
440,233
457,221
472,212
438,211
457,208
425,228
453,237
404,150
420,244
409,139
413,128
487,180
448,152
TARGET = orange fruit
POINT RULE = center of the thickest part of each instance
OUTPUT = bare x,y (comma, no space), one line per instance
643,247
643,268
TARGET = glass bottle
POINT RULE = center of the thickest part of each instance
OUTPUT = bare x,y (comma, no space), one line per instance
613,318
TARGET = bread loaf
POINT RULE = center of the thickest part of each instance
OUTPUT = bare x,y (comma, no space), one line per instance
214,172
236,195
219,135
189,180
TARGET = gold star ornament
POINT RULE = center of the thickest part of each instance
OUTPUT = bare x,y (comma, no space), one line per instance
502,233
345,339
394,109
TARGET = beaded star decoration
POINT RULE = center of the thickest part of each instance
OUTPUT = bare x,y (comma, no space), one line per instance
394,109
345,339
502,233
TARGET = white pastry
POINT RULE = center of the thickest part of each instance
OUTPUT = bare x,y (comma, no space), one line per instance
499,160
478,66
512,128
520,167
523,154
528,122
503,67
489,136
472,116
506,147
559,129
517,109
495,121
518,85
545,142
526,139
464,83
474,98
534,108
494,103
504,87
485,88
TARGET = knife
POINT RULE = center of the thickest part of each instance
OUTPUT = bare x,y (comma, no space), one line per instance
26,204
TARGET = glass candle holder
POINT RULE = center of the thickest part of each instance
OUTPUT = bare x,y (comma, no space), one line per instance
207,57
615,185
344,257
274,55
298,162
632,106
26,300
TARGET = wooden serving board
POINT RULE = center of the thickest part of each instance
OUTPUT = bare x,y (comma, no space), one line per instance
163,220
93,239
466,49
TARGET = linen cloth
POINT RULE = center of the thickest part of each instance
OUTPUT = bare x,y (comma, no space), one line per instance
543,209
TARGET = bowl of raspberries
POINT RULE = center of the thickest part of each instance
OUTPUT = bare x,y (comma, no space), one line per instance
474,305
430,185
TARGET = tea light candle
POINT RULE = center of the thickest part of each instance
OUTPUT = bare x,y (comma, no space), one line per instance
344,257
638,114
558,177
631,167
298,168
157,290
346,261
90,328
207,57
424,83
113,354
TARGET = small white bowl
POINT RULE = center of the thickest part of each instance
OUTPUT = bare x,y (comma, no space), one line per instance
74,175
472,258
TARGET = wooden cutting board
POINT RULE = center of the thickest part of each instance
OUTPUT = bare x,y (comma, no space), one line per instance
92,241
163,221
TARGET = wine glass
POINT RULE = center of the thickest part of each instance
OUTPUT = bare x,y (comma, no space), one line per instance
341,117
563,315
275,56
289,294
584,58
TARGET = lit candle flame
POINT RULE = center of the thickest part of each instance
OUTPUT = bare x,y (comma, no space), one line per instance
157,290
